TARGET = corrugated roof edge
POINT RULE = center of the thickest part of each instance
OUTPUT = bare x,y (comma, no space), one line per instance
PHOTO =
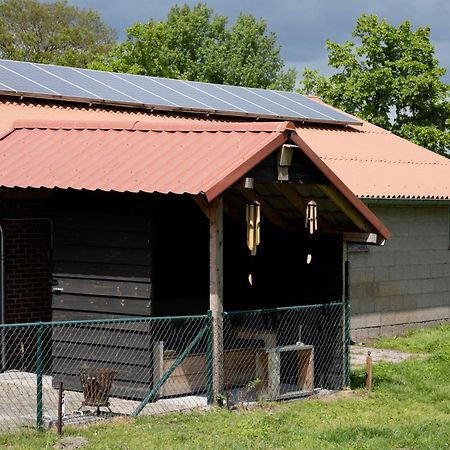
276,141
341,186
133,125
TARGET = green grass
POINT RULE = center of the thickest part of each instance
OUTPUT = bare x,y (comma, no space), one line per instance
421,340
409,408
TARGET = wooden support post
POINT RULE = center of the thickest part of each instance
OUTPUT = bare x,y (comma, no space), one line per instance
158,365
216,290
306,370
369,371
273,369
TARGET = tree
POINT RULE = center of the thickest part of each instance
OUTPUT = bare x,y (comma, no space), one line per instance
52,33
390,78
195,44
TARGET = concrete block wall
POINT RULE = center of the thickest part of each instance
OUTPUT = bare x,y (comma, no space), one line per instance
406,283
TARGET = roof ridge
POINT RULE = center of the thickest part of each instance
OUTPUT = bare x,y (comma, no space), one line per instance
155,125
390,161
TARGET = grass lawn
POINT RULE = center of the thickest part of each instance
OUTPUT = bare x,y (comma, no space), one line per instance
409,408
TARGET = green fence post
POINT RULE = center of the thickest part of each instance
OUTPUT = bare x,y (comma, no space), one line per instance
209,361
347,343
347,326
39,370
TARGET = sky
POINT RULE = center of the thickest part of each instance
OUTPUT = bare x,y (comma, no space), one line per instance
302,26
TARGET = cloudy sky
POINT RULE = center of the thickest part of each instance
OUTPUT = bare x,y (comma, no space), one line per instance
302,26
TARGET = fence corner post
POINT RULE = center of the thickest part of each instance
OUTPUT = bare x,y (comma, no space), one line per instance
39,372
347,343
209,360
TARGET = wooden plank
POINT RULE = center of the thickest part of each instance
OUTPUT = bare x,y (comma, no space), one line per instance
216,289
273,369
102,254
100,354
158,364
185,384
107,220
125,372
296,200
202,203
117,305
193,364
120,389
103,287
269,337
105,269
306,370
65,315
102,238
342,203
266,208
102,335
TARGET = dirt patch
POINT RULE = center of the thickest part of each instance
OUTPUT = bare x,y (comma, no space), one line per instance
332,397
71,443
358,355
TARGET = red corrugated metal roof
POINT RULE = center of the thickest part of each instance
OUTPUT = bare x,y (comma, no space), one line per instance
178,157
375,163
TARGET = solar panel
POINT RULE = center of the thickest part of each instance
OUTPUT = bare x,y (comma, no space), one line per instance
49,81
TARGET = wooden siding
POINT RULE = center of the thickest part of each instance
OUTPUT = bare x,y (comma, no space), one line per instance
102,270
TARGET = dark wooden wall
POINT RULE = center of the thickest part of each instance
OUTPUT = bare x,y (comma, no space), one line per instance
102,270
102,256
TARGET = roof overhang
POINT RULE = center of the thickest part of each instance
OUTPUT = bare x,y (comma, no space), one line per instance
180,157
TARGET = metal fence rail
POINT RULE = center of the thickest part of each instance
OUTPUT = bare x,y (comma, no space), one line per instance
157,365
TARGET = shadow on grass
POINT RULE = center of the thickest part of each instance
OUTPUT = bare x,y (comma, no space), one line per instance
357,378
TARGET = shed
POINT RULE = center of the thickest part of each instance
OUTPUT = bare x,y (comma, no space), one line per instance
146,216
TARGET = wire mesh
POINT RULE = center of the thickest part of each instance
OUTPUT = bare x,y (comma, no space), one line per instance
107,368
159,365
283,353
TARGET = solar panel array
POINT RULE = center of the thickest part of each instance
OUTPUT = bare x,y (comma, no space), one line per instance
94,86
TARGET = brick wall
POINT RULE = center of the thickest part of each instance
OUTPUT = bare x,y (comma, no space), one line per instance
28,267
406,283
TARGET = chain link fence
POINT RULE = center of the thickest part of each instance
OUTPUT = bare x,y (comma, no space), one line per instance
283,353
107,367
159,365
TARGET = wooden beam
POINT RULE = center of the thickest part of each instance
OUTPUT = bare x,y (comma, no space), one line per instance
296,200
236,215
216,289
202,204
266,209
344,206
364,238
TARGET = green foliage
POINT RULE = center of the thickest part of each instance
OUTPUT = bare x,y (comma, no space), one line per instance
195,44
52,33
391,78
